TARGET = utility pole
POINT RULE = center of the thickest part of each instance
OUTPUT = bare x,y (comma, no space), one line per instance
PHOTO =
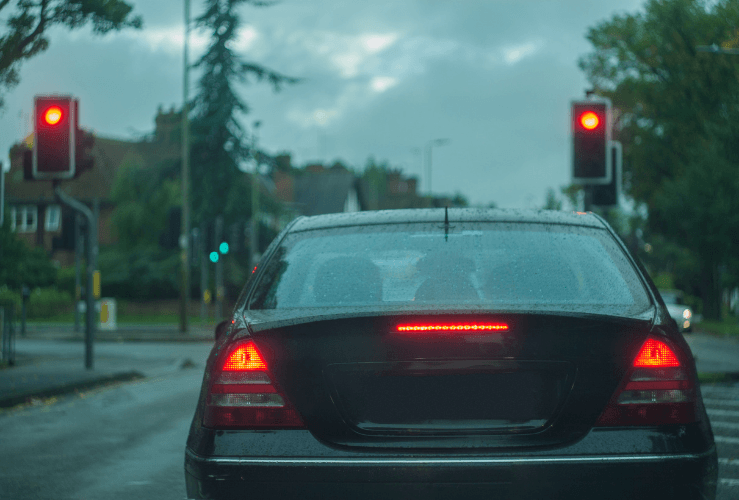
2,194
185,232
254,247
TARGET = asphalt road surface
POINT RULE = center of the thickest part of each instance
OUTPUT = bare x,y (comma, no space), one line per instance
127,441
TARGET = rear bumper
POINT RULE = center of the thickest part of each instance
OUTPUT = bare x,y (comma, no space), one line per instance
676,476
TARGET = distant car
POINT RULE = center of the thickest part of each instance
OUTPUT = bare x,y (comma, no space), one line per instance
413,354
681,313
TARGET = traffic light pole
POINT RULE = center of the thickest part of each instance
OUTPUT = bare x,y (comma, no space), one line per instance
203,273
77,261
92,253
219,271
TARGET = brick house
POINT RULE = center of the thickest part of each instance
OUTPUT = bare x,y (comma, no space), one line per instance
40,220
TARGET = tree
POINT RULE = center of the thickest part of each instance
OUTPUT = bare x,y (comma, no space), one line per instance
677,114
28,25
220,143
143,195
552,202
137,267
21,265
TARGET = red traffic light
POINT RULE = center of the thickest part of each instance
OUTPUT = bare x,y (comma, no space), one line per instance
589,120
53,115
590,138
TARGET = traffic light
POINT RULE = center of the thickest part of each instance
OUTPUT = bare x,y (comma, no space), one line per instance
591,134
54,145
214,257
223,247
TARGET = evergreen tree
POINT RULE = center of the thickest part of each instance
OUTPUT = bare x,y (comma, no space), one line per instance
220,142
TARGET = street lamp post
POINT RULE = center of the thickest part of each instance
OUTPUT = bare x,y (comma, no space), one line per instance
429,145
185,227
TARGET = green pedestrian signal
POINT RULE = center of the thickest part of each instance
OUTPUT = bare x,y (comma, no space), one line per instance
214,257
223,248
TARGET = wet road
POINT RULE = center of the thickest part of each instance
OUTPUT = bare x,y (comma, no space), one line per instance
127,441
119,442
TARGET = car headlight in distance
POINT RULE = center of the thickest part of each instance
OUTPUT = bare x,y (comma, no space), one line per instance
687,314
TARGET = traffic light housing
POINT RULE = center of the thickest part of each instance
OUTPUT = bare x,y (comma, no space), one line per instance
55,140
591,135
607,195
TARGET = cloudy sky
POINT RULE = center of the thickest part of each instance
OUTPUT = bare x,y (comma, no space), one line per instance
381,79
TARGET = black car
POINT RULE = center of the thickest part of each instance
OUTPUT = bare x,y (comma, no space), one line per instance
469,354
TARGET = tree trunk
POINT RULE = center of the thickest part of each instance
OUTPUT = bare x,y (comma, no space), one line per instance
711,292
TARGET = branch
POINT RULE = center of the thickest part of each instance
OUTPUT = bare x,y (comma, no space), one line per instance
36,32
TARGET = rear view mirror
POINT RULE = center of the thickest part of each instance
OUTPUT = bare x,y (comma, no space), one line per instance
221,328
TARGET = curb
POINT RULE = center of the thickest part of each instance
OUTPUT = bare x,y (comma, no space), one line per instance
23,397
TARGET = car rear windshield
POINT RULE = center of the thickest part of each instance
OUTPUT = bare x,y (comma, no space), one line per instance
489,266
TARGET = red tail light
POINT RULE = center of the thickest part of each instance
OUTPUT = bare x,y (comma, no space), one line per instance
243,396
657,390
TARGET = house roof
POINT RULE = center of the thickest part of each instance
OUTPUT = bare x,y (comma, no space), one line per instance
324,192
109,155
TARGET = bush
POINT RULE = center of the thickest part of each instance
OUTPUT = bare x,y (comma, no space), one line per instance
139,274
9,297
48,302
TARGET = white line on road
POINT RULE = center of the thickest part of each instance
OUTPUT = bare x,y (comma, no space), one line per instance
727,440
727,393
718,402
723,413
725,425
729,461
729,482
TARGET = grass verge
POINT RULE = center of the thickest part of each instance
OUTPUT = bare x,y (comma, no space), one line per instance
727,328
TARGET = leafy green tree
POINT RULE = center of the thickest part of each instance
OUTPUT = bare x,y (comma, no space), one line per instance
28,23
552,201
677,114
21,265
136,267
143,196
220,143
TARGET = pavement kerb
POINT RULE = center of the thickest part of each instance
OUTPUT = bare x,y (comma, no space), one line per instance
68,388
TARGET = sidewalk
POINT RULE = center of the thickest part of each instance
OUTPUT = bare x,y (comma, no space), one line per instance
50,358
123,333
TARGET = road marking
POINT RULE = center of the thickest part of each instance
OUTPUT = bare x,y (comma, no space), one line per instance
729,482
729,461
733,394
727,440
726,425
723,413
720,402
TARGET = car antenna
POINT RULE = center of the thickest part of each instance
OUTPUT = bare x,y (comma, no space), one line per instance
446,223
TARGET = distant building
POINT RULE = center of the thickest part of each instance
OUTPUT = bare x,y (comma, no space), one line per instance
34,212
317,190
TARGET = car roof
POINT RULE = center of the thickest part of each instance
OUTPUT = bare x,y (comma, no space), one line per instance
373,217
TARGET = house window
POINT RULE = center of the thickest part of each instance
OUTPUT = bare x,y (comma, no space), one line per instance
24,218
53,216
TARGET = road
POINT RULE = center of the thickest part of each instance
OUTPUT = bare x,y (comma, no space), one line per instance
127,441
122,442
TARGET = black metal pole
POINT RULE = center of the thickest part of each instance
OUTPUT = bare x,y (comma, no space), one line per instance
92,251
77,263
